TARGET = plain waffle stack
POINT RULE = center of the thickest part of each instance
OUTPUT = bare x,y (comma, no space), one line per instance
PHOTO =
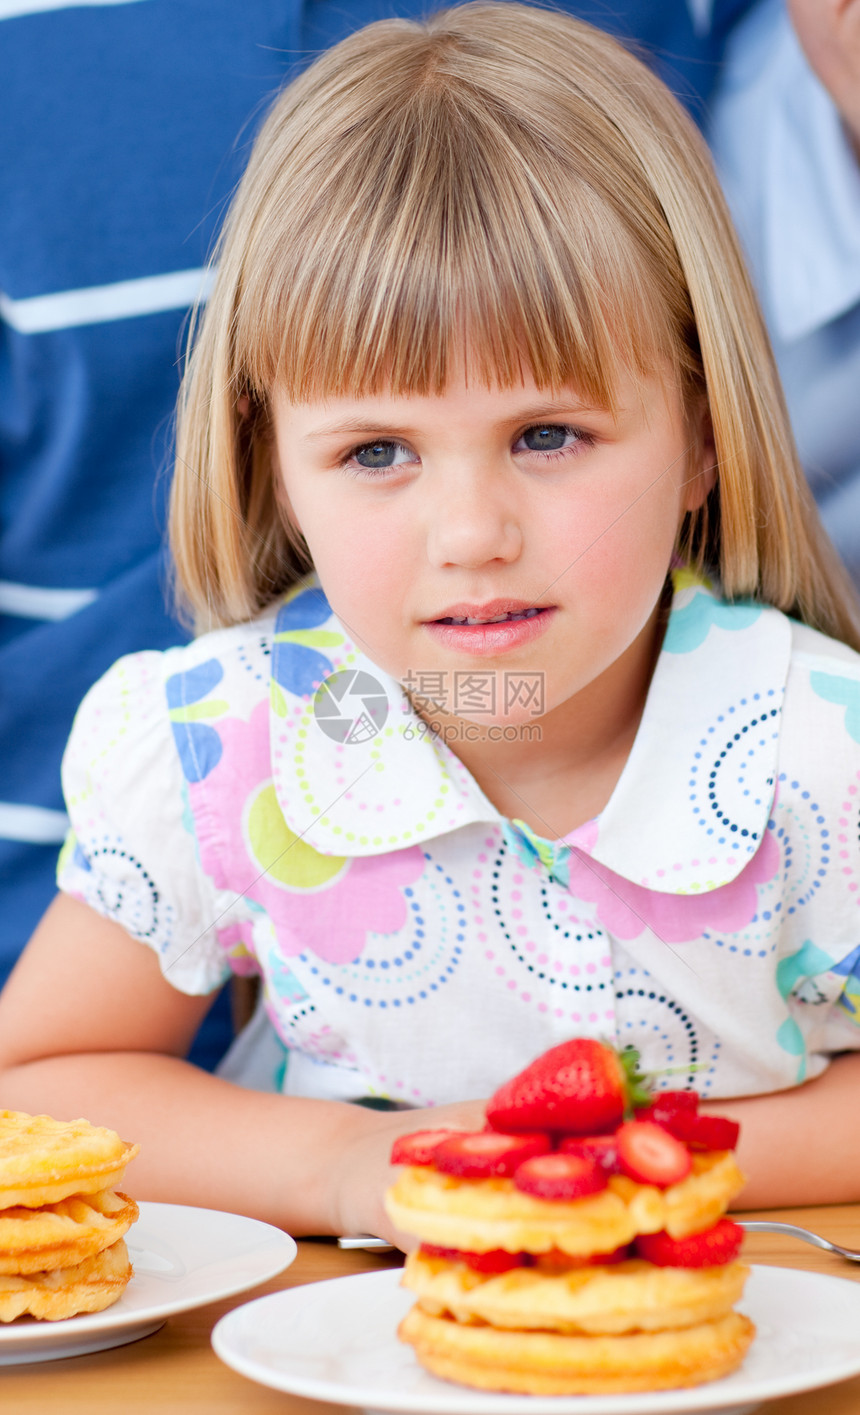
62,1222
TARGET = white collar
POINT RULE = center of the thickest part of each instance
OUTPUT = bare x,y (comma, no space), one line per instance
713,706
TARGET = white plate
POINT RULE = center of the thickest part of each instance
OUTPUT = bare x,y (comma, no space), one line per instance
336,1341
182,1257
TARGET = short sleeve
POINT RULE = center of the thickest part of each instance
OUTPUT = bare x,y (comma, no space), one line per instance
131,852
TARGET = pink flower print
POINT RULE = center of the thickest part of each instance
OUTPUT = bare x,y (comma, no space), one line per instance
626,909
322,903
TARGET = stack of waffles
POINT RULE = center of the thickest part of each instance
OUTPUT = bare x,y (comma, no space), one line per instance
568,1250
62,1222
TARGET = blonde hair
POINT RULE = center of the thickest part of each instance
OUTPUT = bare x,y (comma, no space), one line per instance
514,174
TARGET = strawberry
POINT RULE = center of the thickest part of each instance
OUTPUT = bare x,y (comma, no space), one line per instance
560,1177
601,1148
581,1086
703,1132
419,1147
495,1261
487,1154
648,1153
668,1104
677,1100
717,1245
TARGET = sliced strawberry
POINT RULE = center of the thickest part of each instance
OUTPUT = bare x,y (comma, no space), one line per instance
703,1132
560,1177
495,1261
582,1086
601,1148
486,1154
648,1153
717,1245
419,1147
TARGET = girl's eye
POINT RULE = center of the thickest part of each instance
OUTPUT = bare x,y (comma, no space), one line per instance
375,456
549,437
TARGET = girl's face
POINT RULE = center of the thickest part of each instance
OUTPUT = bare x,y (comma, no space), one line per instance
556,519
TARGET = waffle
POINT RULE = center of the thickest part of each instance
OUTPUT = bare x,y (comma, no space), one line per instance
548,1363
479,1215
89,1286
62,1235
626,1297
43,1160
62,1225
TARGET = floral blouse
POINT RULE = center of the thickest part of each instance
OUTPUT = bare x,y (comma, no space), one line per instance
265,800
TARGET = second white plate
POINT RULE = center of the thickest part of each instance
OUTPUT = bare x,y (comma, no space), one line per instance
336,1341
182,1257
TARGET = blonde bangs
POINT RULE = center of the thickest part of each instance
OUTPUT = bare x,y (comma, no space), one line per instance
440,220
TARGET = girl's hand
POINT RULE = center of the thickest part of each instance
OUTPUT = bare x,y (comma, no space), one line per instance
363,1171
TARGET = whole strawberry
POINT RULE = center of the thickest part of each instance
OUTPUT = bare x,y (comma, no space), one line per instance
581,1087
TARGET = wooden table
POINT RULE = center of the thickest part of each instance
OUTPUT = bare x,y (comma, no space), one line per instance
176,1370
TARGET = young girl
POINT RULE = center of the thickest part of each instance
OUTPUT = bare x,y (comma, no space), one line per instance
505,766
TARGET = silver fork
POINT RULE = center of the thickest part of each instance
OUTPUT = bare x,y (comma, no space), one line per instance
791,1230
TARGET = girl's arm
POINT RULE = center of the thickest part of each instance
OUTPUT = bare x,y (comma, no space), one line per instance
801,1146
90,1027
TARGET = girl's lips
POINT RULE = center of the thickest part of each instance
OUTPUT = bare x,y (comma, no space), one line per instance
488,640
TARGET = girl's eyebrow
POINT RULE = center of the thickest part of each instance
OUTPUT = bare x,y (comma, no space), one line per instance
358,427
570,407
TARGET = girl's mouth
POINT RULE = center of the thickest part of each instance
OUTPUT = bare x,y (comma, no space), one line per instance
488,635
496,619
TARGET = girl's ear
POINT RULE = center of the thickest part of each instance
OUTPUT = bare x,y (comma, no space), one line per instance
703,463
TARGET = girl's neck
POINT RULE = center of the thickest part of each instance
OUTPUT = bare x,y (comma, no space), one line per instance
560,776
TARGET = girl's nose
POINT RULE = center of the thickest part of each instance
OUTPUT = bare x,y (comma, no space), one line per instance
473,525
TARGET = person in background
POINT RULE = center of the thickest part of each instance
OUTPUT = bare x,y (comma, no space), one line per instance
784,128
125,126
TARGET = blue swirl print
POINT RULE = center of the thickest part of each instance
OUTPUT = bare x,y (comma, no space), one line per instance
733,742
398,971
652,1021
804,839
